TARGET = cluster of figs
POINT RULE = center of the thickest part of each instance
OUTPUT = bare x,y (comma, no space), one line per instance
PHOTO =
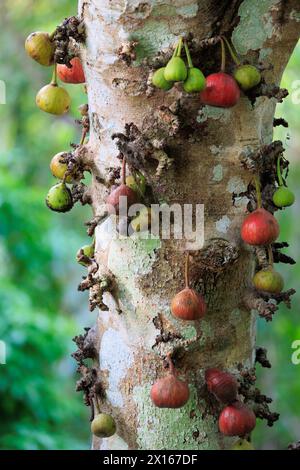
236,419
260,228
218,89
54,99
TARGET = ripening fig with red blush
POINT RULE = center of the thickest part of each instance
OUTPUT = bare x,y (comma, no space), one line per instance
74,74
237,420
260,228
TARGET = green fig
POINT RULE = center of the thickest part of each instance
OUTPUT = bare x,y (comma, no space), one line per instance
268,280
103,425
159,80
59,168
247,76
242,444
86,250
176,70
142,222
39,47
137,182
283,197
53,99
195,81
59,198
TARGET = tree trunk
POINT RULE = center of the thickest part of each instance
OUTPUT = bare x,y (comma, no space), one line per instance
199,151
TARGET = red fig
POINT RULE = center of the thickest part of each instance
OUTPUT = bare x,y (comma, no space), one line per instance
237,420
170,392
188,304
222,384
74,74
221,90
113,200
260,228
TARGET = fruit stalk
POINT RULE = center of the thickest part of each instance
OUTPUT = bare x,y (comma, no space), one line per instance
279,174
187,270
258,192
223,55
188,55
54,76
270,256
233,55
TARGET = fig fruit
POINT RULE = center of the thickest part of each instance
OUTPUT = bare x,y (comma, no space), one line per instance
74,74
142,222
260,228
268,280
195,81
103,425
283,197
53,99
159,80
221,90
86,250
39,47
237,420
247,76
59,168
175,70
59,198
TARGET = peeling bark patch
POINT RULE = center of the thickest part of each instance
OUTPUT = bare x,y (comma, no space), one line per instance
223,224
253,30
169,436
236,185
217,173
116,357
113,443
209,112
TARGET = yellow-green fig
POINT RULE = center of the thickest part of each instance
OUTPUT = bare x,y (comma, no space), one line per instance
39,47
86,250
103,425
247,76
59,198
53,99
268,280
59,168
195,81
176,70
242,444
159,80
283,197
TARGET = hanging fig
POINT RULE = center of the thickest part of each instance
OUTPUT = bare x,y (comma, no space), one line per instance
176,70
59,198
222,384
113,201
86,250
282,197
74,74
170,392
221,89
246,75
52,98
59,167
237,420
159,80
40,47
268,280
195,80
188,304
103,426
260,228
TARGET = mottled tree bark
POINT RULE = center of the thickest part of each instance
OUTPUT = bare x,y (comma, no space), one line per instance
205,145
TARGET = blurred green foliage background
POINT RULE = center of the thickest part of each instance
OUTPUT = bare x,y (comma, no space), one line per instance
40,310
